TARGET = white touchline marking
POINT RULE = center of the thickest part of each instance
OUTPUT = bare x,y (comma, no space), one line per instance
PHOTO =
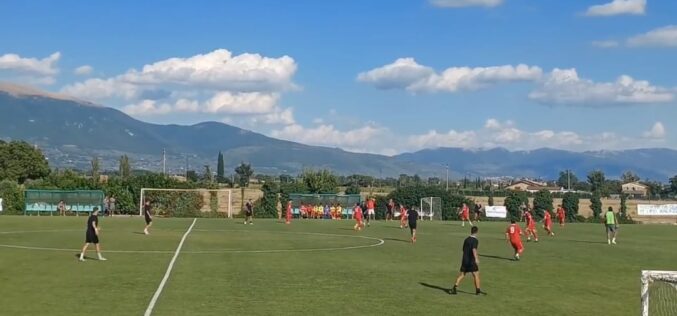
151,305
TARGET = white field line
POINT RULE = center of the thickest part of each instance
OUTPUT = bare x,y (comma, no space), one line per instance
151,305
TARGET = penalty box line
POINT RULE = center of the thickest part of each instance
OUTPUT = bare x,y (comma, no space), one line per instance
151,305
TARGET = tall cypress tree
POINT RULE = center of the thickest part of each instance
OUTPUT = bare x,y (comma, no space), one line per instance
220,169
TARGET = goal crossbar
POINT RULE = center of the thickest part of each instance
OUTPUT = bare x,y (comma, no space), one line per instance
649,276
229,192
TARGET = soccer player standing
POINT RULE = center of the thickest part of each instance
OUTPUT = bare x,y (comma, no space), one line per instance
513,237
611,226
371,209
403,216
289,213
357,214
390,208
412,217
92,235
249,212
147,216
465,215
561,215
470,262
547,223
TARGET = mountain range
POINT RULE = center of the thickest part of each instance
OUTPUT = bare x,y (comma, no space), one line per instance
70,132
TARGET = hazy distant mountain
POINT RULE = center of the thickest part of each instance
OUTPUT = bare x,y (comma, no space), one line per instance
71,132
656,164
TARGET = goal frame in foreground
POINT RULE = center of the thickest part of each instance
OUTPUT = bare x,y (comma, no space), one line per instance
649,276
230,196
426,207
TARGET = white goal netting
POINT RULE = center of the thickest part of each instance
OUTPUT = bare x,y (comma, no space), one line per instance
659,293
431,207
188,202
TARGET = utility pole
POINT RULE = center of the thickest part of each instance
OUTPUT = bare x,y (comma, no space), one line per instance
186,166
447,177
568,181
164,161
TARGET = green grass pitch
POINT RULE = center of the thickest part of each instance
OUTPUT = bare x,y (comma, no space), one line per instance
227,268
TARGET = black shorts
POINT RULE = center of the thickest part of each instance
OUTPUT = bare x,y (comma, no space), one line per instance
469,267
91,238
389,212
148,220
247,213
412,225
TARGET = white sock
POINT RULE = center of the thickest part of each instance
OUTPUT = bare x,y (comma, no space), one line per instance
82,255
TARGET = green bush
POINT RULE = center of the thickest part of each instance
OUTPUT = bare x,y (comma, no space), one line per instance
12,196
570,204
266,206
596,205
542,203
513,203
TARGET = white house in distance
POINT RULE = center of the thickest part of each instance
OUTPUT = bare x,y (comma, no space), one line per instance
635,189
531,186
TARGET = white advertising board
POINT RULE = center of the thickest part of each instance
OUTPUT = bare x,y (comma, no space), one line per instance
496,211
657,210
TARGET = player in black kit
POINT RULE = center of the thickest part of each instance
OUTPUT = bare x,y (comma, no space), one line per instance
470,262
92,235
412,217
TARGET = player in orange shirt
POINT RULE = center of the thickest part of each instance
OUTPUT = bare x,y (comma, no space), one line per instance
513,237
289,213
403,216
531,226
547,223
465,215
357,214
561,215
371,210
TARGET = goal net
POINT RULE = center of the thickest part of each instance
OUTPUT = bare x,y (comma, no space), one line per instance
187,202
431,207
659,293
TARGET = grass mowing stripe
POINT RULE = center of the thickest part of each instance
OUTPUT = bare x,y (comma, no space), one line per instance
151,305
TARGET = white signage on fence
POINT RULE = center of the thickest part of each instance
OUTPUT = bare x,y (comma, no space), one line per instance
496,211
657,210
0,204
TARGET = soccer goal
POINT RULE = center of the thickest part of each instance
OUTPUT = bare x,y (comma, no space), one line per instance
431,207
659,293
188,202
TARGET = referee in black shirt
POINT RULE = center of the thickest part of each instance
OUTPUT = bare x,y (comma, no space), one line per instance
412,217
470,261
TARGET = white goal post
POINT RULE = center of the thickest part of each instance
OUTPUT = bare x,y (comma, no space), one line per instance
226,192
430,207
659,283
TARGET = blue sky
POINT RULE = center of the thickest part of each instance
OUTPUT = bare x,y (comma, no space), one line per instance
380,76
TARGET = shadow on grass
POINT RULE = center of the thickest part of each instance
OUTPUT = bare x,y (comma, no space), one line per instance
497,257
584,241
443,289
138,233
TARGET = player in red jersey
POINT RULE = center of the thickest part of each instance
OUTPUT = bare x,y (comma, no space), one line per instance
531,226
403,216
513,237
289,213
465,215
357,214
561,215
547,223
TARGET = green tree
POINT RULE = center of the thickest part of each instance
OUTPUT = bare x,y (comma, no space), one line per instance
244,172
19,161
352,189
491,198
191,176
655,189
624,207
673,185
322,181
12,196
513,203
220,169
570,203
124,169
207,175
266,206
542,203
96,166
567,179
597,179
629,176
596,205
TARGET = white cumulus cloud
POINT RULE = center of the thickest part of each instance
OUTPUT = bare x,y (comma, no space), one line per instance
406,73
657,131
31,70
605,44
83,70
465,3
564,86
664,36
359,139
618,7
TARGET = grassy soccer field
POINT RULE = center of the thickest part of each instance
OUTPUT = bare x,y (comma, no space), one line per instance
319,267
